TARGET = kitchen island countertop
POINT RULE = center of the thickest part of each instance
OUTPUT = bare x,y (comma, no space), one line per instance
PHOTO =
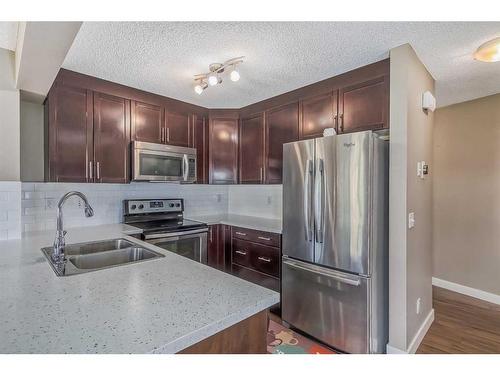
157,306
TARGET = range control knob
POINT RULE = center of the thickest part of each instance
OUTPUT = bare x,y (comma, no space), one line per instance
177,205
171,205
141,206
133,207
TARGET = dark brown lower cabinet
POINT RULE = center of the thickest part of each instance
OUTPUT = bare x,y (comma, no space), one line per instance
219,246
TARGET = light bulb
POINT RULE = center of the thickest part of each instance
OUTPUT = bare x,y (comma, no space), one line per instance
198,89
213,80
235,76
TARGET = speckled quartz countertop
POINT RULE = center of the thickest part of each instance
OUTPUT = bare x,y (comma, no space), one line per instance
250,222
158,306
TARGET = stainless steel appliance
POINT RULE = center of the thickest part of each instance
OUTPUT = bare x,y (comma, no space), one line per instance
335,240
162,163
163,225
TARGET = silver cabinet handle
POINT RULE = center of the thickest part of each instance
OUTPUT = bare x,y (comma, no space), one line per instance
168,134
264,238
98,167
261,174
307,196
91,170
264,259
162,134
241,252
240,233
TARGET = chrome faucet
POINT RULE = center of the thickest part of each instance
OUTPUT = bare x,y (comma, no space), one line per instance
59,242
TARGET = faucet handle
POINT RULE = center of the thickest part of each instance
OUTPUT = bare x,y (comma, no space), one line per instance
64,232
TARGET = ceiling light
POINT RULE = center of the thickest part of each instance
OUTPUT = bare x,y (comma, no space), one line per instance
212,79
489,51
214,76
200,87
235,75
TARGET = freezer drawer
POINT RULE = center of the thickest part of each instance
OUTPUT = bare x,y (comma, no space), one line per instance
329,305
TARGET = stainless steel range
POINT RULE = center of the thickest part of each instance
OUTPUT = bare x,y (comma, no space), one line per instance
163,225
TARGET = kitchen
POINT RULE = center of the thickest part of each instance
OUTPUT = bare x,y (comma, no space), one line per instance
199,224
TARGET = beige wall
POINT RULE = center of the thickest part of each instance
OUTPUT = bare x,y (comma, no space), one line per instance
32,142
467,194
410,250
10,136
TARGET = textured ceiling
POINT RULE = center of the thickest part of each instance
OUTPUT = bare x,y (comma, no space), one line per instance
8,35
163,57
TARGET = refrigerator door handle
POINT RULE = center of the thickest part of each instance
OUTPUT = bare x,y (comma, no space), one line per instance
353,281
307,198
320,202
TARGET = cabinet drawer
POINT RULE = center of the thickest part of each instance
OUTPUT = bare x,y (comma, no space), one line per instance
241,252
265,259
266,238
255,277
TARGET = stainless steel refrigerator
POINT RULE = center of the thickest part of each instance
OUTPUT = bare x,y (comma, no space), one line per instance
335,240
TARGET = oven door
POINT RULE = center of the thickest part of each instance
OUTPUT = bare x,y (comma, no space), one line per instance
190,244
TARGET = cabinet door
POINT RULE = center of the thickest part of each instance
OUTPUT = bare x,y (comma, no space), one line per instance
364,106
70,134
252,150
111,138
200,130
223,151
177,129
317,114
282,126
148,122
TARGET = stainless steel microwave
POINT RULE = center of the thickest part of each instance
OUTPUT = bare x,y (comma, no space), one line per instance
158,162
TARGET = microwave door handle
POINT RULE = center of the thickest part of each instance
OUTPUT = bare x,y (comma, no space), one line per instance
185,167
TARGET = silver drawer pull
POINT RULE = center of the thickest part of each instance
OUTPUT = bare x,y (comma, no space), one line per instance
241,252
264,238
267,260
240,233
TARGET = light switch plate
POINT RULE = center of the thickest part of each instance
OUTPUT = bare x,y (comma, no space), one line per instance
411,220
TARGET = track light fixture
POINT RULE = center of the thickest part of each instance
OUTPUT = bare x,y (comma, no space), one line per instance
214,76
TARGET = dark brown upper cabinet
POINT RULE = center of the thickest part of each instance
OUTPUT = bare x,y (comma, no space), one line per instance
282,126
70,134
364,106
111,138
148,122
200,142
252,150
223,151
317,114
177,132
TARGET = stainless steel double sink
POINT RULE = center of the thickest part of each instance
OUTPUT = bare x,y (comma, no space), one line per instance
97,255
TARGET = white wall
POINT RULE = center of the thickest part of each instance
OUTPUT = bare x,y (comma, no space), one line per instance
255,200
410,250
32,142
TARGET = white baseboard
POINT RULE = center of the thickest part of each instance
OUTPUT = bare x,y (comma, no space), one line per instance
468,291
415,343
419,336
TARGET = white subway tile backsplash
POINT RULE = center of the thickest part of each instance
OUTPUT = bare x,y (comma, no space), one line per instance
10,209
255,200
40,200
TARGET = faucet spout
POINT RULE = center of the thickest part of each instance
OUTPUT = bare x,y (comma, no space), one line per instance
59,241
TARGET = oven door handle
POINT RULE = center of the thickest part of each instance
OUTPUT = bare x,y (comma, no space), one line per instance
174,234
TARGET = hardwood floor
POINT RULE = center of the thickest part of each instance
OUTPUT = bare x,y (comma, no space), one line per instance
462,324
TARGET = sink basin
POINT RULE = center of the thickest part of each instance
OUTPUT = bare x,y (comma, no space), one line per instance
97,255
112,258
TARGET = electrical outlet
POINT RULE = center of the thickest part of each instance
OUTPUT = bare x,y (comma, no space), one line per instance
50,203
418,306
269,200
218,197
411,220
